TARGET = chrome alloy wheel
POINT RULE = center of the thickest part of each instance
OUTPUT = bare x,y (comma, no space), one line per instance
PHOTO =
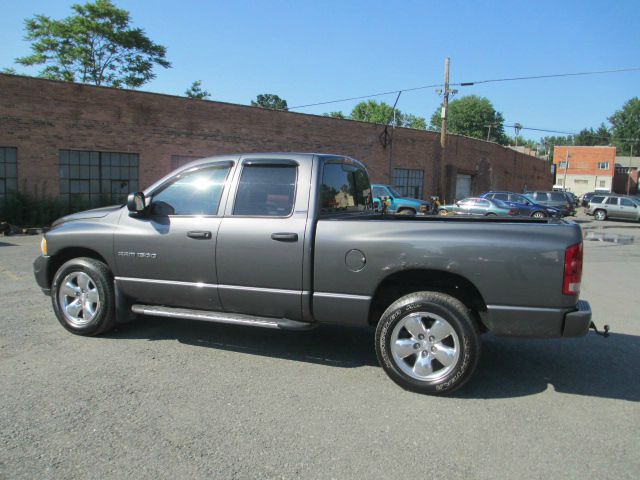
79,299
425,346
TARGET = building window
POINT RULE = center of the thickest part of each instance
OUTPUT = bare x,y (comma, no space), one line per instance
97,178
562,164
603,165
408,182
560,181
8,172
623,169
580,181
603,183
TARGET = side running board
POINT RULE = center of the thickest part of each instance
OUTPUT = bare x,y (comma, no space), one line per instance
222,317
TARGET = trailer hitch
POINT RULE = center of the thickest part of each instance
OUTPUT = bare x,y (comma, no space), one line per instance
604,332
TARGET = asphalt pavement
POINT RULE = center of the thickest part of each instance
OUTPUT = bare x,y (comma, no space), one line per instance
162,398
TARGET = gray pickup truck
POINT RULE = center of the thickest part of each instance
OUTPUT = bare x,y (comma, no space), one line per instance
291,241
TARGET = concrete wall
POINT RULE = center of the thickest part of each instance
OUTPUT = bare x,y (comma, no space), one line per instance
41,117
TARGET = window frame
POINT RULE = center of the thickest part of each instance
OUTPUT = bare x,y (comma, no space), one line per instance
180,174
4,178
406,175
601,167
265,162
359,165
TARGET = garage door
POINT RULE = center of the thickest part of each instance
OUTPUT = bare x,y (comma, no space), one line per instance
463,186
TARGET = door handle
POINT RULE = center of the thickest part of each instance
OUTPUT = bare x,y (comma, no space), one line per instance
284,237
199,235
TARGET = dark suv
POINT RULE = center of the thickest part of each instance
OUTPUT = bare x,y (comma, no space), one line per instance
526,207
553,199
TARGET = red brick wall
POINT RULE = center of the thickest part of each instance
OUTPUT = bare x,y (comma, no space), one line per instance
584,160
41,117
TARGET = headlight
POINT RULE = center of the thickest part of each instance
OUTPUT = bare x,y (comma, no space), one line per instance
43,246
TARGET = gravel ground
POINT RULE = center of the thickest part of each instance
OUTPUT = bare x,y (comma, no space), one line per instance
163,398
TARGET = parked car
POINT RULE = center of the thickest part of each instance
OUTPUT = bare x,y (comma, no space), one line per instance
526,207
290,241
619,207
572,197
479,206
396,202
586,198
552,199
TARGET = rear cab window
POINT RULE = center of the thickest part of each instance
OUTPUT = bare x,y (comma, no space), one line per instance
558,197
597,199
345,188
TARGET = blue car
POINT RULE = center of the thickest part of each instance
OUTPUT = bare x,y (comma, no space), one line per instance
525,206
396,202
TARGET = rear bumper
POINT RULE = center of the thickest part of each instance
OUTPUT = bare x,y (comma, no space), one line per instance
41,266
538,322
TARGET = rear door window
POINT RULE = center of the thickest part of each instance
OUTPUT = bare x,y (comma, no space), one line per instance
625,202
266,191
612,201
501,196
345,188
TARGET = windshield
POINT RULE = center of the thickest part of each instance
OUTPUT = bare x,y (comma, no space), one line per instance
394,192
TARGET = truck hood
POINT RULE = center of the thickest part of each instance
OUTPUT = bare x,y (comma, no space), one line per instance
94,213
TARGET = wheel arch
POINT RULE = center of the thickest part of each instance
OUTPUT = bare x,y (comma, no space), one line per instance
402,283
67,254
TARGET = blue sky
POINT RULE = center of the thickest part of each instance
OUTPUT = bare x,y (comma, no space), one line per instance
309,52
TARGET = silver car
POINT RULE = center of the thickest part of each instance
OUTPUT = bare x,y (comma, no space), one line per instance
614,206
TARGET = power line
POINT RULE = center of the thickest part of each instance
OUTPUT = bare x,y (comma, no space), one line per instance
468,84
573,134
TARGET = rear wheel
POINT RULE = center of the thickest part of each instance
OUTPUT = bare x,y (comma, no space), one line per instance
83,296
600,215
427,342
443,212
538,215
491,214
406,211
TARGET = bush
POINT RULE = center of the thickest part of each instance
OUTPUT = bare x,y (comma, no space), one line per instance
32,210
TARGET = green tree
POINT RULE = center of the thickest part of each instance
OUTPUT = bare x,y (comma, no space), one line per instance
551,141
383,113
337,114
471,116
590,137
9,71
96,45
196,91
269,100
626,127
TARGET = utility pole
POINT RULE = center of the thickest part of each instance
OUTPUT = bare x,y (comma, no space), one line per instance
629,170
566,167
443,134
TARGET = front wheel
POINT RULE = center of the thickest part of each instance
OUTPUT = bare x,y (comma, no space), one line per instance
443,212
428,343
406,211
83,296
538,215
600,215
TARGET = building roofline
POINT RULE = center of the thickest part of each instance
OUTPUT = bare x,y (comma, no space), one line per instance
284,112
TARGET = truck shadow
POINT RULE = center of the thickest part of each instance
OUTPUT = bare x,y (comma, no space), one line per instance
326,345
590,366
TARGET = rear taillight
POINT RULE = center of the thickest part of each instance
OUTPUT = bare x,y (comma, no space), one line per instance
572,269
513,212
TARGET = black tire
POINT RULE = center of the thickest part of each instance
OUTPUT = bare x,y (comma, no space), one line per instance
600,215
406,211
459,320
443,212
102,280
538,214
490,214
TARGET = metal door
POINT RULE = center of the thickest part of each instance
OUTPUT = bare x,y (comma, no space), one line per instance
260,243
463,186
167,256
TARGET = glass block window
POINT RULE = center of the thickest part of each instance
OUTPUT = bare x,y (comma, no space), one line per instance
408,182
8,172
91,179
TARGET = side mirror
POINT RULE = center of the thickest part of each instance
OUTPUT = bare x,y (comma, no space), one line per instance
136,202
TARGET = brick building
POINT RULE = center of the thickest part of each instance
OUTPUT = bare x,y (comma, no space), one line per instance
84,142
625,179
588,169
